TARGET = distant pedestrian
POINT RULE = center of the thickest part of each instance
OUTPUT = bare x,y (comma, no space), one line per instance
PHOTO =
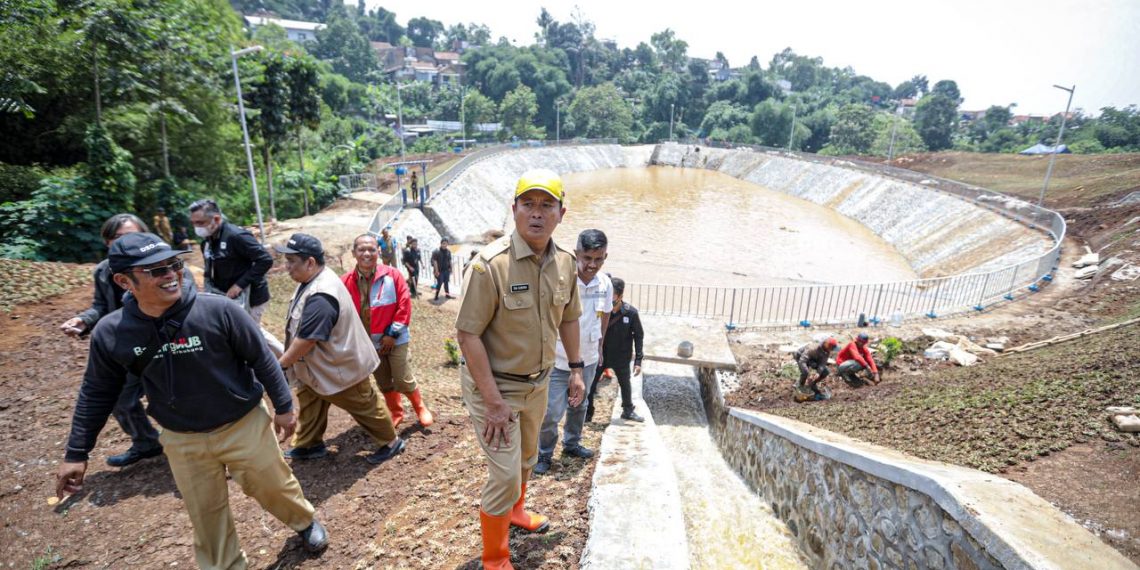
329,356
162,226
441,269
812,357
411,260
624,342
856,358
387,248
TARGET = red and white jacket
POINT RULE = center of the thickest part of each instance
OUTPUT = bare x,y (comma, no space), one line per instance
390,299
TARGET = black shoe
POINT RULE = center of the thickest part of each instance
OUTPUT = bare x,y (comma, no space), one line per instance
315,538
632,416
385,453
543,465
132,456
577,451
315,452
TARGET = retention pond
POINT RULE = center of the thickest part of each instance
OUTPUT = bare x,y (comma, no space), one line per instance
693,226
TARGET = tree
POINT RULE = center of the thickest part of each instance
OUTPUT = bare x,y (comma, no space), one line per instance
518,110
270,96
644,56
342,44
424,31
723,115
601,112
671,50
380,26
477,108
911,88
854,130
304,107
948,89
771,123
935,118
906,139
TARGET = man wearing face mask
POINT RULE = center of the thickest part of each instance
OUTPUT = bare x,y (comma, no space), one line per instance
235,263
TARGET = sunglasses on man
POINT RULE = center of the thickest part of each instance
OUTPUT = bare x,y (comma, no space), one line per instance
162,270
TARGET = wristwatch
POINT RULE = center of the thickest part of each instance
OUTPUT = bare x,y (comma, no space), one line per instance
577,364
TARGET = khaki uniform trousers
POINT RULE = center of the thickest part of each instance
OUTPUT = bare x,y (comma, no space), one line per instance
248,448
393,373
361,401
510,464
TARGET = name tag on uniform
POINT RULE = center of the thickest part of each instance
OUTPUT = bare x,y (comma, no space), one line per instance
518,287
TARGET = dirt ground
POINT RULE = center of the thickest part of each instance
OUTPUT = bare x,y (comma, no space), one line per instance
419,510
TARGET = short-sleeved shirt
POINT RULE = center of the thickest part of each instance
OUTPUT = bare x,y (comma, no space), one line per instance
516,300
318,317
597,299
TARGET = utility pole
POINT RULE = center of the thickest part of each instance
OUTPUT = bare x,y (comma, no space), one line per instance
234,55
894,129
792,135
1060,135
670,121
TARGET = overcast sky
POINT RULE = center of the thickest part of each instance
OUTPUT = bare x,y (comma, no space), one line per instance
999,51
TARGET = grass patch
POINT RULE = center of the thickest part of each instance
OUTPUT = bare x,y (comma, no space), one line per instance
30,281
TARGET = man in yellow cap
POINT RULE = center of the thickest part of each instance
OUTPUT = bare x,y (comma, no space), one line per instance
515,282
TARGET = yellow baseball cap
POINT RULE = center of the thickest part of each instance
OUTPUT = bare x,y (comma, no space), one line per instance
540,179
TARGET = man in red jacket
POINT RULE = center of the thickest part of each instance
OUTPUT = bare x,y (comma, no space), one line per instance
386,311
855,358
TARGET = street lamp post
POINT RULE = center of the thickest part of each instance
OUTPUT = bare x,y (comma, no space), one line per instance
400,120
557,121
1056,147
234,55
792,135
670,121
894,129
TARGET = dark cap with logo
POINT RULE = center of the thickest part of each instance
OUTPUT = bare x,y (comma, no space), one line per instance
139,248
303,244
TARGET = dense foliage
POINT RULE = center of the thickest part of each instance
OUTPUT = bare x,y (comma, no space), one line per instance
112,105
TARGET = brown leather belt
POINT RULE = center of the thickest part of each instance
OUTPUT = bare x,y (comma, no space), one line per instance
521,377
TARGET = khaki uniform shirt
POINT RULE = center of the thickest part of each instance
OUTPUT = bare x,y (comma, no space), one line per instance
515,301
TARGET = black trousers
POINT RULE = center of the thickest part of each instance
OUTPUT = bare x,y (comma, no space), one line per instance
443,284
413,279
622,371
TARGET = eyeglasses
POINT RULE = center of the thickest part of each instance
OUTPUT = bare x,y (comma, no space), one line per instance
161,271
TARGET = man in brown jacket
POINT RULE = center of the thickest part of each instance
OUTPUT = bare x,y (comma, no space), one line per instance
329,356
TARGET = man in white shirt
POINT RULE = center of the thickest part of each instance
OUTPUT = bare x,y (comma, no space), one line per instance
596,293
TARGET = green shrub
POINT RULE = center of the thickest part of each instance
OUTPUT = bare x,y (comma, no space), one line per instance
19,182
891,347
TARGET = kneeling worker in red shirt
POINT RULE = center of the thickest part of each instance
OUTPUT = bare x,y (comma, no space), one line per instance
855,358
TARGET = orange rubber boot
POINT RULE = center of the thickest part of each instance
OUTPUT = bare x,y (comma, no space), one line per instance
525,520
425,415
496,541
395,407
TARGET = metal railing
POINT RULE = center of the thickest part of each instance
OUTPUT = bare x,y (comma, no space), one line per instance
358,182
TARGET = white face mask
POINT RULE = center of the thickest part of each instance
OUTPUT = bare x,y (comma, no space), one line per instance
202,232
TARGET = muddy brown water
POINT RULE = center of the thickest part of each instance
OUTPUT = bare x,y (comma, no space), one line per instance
689,226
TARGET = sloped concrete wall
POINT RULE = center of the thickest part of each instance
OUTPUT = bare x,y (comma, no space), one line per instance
939,234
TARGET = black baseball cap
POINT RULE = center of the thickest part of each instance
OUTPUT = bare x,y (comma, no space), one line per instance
139,248
303,244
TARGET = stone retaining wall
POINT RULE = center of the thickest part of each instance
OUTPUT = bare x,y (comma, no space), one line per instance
854,505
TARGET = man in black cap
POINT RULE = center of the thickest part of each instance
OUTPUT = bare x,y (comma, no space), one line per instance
204,367
329,356
128,410
235,262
